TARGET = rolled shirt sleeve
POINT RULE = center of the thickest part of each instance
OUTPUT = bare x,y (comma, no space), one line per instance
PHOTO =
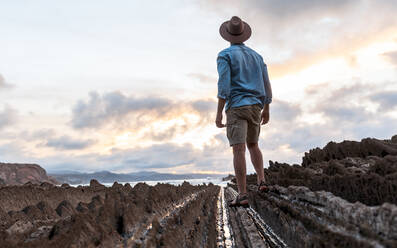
224,77
268,87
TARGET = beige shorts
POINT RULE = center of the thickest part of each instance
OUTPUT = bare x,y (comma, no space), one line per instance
243,124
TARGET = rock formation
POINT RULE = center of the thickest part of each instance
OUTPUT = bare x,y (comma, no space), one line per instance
90,216
18,174
343,195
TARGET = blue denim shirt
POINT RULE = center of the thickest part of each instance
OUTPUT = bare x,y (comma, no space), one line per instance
243,77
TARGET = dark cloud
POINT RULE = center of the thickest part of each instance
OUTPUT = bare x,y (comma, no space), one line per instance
344,104
392,57
155,157
344,115
284,111
166,155
387,100
158,156
165,135
204,106
346,109
49,138
112,108
348,113
8,117
300,138
69,143
121,111
325,93
221,138
37,135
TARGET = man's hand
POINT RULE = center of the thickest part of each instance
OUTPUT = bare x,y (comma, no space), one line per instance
265,116
218,120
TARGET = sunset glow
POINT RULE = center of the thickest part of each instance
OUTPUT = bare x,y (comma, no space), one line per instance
91,86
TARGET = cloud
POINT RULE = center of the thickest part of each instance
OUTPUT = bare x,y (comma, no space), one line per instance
165,135
348,108
40,134
204,106
293,9
392,57
320,29
340,103
113,108
4,84
343,110
203,78
69,143
14,152
161,157
158,156
8,117
343,113
285,138
315,89
284,111
387,100
118,110
215,156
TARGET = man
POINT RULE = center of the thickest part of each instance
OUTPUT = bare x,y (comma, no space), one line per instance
244,88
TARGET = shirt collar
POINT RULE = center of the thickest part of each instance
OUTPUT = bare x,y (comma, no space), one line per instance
241,44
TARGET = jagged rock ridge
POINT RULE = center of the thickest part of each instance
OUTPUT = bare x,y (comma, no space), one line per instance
343,195
118,216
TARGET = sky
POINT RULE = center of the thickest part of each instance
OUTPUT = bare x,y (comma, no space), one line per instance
128,86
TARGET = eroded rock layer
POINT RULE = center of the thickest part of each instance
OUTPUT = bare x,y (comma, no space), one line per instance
119,216
343,195
370,179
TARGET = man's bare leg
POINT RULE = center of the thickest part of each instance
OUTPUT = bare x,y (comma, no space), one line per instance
257,160
240,167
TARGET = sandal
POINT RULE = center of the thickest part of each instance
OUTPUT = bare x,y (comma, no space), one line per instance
240,201
263,187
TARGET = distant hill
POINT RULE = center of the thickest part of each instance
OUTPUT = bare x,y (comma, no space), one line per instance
18,174
110,177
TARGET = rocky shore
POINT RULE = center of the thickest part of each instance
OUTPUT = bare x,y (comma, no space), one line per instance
119,216
343,195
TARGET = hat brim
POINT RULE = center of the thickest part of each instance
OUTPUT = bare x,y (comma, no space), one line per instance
235,38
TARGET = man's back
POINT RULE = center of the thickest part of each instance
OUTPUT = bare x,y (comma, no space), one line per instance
244,87
242,77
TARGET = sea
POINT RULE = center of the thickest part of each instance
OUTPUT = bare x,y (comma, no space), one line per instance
216,181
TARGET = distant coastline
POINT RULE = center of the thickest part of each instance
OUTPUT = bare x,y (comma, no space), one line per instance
107,177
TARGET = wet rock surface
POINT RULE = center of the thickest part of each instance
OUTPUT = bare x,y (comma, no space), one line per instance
343,195
118,216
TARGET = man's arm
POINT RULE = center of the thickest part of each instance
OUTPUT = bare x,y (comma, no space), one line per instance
223,87
221,105
269,95
265,116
